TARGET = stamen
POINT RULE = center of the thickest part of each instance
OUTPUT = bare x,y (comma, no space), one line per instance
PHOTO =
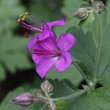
34,20
29,22
30,27
22,17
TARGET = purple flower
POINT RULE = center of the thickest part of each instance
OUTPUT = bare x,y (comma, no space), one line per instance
45,31
49,52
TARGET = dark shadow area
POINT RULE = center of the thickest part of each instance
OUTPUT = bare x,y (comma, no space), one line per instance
26,3
14,80
84,83
98,86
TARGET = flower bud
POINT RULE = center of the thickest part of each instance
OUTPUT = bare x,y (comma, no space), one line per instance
37,94
81,13
52,106
25,99
46,86
100,7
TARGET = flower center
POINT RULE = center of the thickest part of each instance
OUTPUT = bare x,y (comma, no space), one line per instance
46,52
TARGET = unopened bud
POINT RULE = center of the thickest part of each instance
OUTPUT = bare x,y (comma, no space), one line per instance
25,99
52,106
37,94
81,13
100,7
46,86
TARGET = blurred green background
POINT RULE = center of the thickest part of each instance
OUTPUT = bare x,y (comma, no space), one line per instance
16,66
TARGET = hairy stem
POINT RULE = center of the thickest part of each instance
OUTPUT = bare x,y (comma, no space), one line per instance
98,46
83,74
98,50
73,95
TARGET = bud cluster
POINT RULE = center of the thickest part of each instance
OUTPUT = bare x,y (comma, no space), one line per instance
43,95
83,12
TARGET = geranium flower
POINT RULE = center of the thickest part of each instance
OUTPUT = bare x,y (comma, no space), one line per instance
45,30
49,52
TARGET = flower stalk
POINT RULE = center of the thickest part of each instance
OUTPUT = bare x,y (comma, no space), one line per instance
98,46
82,73
73,95
98,50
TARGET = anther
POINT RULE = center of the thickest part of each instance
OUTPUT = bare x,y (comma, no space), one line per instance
21,15
26,13
23,18
19,20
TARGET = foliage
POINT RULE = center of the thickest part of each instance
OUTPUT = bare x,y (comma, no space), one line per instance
71,74
9,12
45,11
12,54
95,100
13,51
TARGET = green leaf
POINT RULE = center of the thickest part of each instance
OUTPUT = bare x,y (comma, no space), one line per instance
71,74
2,73
13,54
60,104
84,49
98,99
9,12
107,15
104,64
12,49
63,29
41,12
70,6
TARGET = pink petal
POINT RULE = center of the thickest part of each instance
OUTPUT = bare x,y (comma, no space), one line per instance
37,58
60,22
49,44
47,32
66,41
45,65
64,62
32,42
